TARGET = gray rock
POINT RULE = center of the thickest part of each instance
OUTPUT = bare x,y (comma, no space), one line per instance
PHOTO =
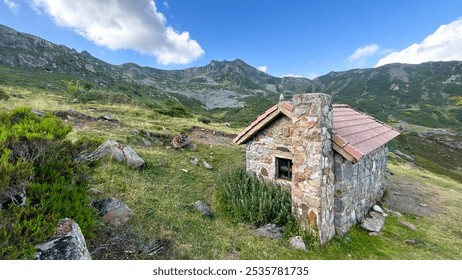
107,117
375,233
378,209
297,243
195,161
206,164
270,231
114,211
108,148
134,131
117,154
408,225
133,159
145,141
374,223
203,208
68,243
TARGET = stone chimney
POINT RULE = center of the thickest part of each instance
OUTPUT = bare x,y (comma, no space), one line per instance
313,178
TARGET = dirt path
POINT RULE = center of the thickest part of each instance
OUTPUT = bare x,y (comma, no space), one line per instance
210,137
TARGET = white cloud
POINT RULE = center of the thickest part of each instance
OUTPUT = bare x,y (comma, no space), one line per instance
444,44
13,6
262,68
121,24
364,52
166,5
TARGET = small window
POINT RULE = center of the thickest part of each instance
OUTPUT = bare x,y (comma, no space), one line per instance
284,168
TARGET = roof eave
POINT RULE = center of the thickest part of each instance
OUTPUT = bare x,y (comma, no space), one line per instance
271,114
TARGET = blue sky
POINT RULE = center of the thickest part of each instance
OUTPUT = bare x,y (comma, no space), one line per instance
301,37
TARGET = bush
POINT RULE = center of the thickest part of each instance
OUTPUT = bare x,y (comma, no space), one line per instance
203,119
35,159
249,200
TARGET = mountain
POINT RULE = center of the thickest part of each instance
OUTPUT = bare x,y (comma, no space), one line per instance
427,94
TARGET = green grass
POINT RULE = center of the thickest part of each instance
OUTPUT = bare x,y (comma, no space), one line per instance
162,195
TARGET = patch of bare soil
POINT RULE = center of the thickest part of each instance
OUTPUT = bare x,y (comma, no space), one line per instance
81,120
210,137
411,197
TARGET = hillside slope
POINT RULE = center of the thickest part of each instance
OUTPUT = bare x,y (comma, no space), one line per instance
428,94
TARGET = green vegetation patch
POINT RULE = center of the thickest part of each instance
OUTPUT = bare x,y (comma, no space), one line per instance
249,200
42,181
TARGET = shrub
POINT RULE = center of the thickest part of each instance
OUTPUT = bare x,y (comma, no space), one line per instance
36,159
175,109
203,119
249,200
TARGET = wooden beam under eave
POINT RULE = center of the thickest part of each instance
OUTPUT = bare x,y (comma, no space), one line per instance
343,153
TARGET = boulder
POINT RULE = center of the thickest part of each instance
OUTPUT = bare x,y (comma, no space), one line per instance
117,154
270,231
297,243
203,208
133,159
181,141
67,243
108,148
114,211
373,223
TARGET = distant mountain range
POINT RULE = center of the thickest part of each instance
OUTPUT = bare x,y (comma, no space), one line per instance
428,94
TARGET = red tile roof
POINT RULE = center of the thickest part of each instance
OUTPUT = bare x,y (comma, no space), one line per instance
359,131
355,133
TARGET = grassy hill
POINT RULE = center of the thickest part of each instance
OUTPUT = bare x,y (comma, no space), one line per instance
163,192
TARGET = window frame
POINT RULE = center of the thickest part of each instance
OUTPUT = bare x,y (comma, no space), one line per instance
284,163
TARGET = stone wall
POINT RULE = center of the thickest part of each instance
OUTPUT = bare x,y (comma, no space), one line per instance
358,186
271,142
313,178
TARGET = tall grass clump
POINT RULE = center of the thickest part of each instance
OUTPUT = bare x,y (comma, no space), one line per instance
247,199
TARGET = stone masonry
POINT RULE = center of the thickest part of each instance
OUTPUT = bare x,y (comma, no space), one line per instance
274,141
313,179
358,186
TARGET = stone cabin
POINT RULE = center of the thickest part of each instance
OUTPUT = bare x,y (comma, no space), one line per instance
331,158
